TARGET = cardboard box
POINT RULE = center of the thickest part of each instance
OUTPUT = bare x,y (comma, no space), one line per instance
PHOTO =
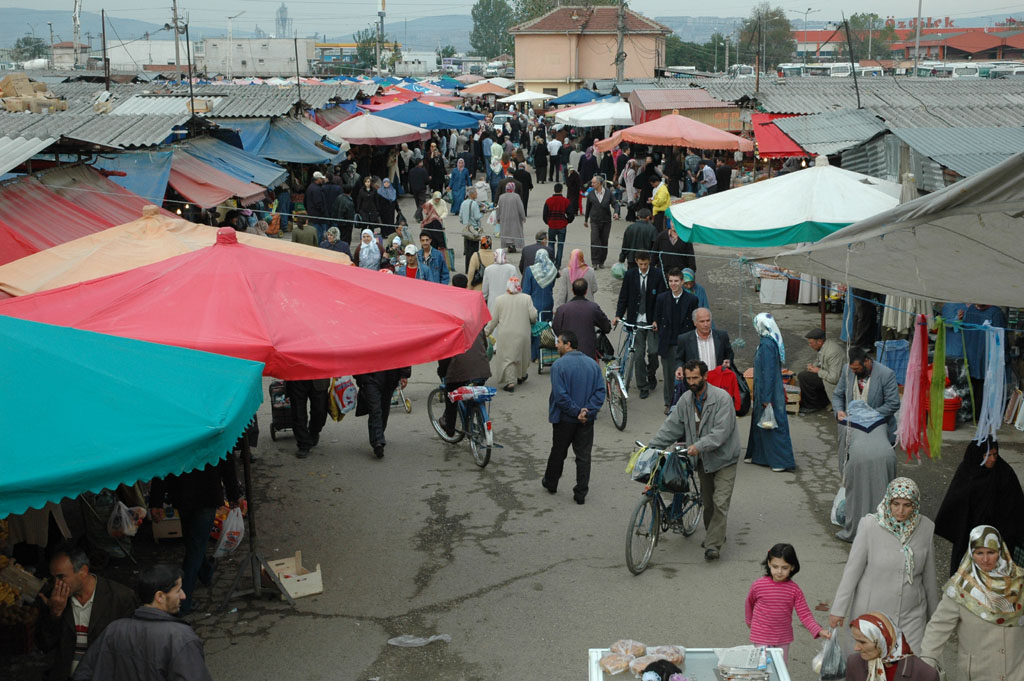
39,87
16,104
17,85
168,528
297,580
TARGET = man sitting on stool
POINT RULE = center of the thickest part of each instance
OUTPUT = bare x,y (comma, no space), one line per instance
819,381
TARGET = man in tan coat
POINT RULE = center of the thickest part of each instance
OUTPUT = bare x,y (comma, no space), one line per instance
819,381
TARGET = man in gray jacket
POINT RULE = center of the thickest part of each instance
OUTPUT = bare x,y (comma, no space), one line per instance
705,419
818,382
152,644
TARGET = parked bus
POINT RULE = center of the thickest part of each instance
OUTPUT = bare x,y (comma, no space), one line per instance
741,71
940,70
791,70
870,71
837,70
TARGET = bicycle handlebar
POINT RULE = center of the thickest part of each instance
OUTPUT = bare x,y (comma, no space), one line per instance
678,447
642,327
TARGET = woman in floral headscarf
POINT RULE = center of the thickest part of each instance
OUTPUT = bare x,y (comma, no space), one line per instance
982,603
891,565
769,446
883,653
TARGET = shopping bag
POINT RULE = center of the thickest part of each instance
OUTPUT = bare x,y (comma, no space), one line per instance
839,508
231,534
124,521
547,338
767,420
673,474
642,463
343,397
744,387
830,664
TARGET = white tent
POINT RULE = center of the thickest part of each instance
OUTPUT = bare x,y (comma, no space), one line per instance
806,205
525,96
499,81
962,243
598,114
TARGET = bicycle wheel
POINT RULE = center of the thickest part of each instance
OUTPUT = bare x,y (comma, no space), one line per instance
435,409
616,402
478,436
642,534
693,504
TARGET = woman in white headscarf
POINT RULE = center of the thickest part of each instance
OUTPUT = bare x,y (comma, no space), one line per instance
368,253
539,284
769,446
883,652
512,317
496,276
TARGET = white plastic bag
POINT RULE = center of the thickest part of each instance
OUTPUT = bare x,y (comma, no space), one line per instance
839,508
829,664
767,420
124,521
231,533
410,641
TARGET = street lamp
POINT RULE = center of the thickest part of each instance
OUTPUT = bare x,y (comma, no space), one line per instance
716,54
229,71
805,13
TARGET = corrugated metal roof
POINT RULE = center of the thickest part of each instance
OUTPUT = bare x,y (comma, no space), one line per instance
656,99
15,150
102,129
831,132
964,150
157,105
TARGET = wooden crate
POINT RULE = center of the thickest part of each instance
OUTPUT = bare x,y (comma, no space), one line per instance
297,580
792,399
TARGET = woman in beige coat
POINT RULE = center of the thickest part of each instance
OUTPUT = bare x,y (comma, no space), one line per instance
982,604
479,261
512,318
891,567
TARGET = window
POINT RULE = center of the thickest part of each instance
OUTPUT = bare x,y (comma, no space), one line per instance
260,61
243,62
264,46
553,91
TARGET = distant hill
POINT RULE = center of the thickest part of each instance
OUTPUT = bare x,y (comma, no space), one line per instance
427,33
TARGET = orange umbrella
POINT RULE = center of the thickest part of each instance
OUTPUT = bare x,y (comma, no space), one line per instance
674,130
485,89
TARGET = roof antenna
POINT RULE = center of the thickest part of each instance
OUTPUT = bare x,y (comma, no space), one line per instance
853,66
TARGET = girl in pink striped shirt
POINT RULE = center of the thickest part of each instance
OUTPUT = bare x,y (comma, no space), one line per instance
772,600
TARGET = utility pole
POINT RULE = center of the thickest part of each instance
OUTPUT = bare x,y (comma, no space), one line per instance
757,61
106,64
853,65
917,38
52,53
726,54
177,48
620,55
298,78
188,56
230,70
871,30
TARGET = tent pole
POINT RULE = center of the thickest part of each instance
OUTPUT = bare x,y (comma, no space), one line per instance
253,557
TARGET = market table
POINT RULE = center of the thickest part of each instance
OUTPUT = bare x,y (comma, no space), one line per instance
699,665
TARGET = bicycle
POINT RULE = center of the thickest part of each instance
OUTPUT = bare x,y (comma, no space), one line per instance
652,515
398,398
619,374
472,410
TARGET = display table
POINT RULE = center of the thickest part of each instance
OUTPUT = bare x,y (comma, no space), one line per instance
699,665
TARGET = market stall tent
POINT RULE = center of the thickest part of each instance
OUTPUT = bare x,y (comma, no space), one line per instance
772,142
525,96
964,242
806,205
154,237
580,96
374,130
427,117
205,186
303,318
598,114
93,411
677,131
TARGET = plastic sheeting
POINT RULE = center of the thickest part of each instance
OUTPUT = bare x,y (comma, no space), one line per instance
40,218
135,411
146,172
204,185
87,188
581,96
148,239
428,117
289,141
772,142
303,318
252,131
236,162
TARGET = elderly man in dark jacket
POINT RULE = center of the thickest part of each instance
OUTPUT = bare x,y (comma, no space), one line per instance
315,201
375,391
419,180
152,644
343,212
581,316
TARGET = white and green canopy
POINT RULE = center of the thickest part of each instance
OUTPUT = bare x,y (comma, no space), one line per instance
803,206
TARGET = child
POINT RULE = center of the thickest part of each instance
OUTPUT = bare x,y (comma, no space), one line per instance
772,599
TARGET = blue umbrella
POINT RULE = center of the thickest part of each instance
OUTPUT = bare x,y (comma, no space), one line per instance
428,117
581,96
93,411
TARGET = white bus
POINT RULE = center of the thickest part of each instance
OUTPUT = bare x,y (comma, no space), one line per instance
836,70
791,70
741,71
940,70
870,71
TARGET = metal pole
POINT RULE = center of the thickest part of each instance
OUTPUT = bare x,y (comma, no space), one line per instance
229,67
188,55
871,30
917,38
716,55
620,58
177,49
808,11
853,66
52,53
106,64
727,54
298,78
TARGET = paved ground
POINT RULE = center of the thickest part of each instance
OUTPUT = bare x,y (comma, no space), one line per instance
423,542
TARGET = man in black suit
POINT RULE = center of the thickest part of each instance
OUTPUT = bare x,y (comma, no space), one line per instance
710,346
600,206
530,252
639,293
673,316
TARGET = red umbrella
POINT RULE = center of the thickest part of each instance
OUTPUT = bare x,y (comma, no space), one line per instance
303,318
674,130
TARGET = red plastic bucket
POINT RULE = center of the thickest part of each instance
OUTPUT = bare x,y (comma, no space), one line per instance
949,410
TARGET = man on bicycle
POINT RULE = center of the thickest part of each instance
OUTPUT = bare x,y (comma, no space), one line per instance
637,297
705,417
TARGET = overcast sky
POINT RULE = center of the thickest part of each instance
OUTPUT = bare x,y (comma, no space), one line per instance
338,17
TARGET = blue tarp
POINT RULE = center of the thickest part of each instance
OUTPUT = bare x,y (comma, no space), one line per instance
428,117
581,96
253,131
448,83
236,162
136,411
146,172
290,141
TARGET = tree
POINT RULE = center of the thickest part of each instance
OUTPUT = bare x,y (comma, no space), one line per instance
491,21
681,53
768,33
531,9
28,47
444,52
882,37
396,54
366,46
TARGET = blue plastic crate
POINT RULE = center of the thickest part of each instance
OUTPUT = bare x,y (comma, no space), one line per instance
894,354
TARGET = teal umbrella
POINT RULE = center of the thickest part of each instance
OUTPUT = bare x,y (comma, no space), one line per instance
86,411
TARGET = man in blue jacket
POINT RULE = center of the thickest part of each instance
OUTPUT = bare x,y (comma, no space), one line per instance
432,266
577,394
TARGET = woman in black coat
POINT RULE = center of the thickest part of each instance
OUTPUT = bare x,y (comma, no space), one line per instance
540,159
436,169
366,203
572,192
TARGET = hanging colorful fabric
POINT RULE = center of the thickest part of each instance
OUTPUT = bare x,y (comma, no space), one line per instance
911,432
937,394
994,392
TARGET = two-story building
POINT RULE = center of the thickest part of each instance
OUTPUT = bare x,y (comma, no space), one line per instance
558,51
